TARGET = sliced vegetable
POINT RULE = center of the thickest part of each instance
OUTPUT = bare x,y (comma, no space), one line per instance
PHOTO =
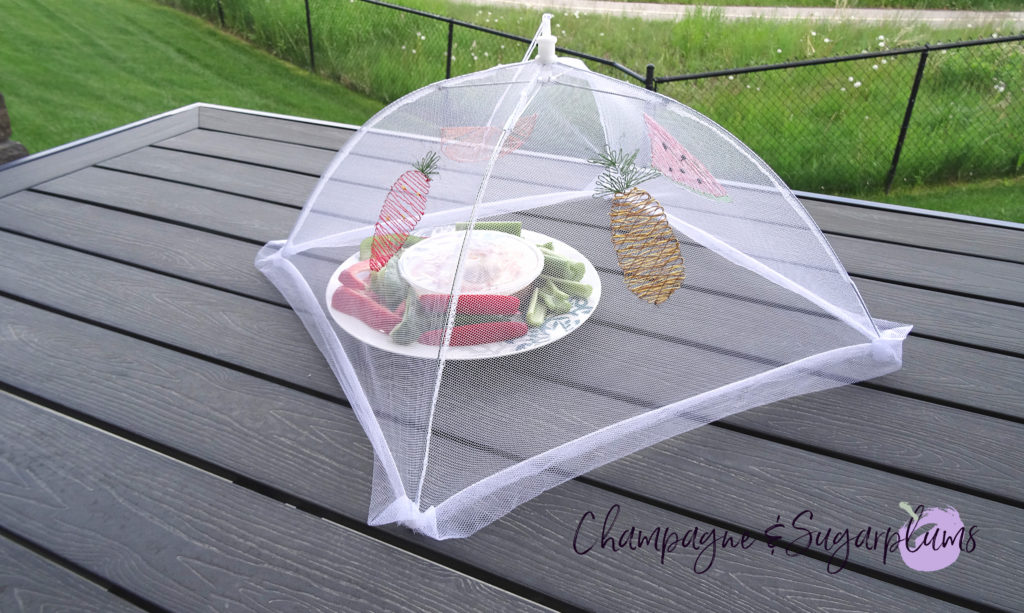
536,312
559,266
550,246
477,334
472,304
549,288
574,288
407,331
388,285
366,309
355,276
465,320
555,305
508,227
366,246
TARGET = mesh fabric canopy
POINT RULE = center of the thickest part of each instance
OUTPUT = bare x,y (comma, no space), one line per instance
649,274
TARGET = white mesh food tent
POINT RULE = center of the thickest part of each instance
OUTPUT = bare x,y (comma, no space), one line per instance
624,270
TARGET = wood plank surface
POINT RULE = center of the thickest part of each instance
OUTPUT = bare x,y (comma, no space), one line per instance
874,259
30,583
274,128
944,368
188,540
949,272
701,471
942,447
238,178
184,307
918,230
982,323
247,219
168,248
933,313
317,451
83,155
252,150
952,272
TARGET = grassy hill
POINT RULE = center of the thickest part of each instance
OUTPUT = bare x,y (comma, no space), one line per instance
71,69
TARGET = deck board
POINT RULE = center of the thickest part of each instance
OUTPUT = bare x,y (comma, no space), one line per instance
184,538
172,229
29,582
329,462
272,185
300,132
279,331
24,174
934,313
918,230
252,150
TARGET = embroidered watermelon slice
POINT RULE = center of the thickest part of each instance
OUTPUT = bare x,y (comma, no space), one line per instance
475,143
670,158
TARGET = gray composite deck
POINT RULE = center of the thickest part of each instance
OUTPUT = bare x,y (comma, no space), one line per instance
172,439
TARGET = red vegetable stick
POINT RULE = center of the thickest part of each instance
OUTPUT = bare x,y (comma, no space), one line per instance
354,275
403,207
477,334
472,304
362,307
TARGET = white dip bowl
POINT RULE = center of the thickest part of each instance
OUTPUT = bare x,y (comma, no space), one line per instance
496,263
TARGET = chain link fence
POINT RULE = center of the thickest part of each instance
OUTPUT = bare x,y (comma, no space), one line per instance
850,125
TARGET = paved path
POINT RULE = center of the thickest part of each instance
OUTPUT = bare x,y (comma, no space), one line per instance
1014,20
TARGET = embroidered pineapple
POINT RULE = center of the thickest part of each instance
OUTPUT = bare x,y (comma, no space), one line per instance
647,249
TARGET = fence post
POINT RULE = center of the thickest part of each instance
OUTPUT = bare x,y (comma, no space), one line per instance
309,35
906,119
220,13
649,79
451,33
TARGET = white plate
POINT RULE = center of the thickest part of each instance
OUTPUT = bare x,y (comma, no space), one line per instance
554,328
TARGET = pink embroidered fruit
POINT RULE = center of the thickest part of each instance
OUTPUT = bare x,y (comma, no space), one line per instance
671,159
476,143
402,210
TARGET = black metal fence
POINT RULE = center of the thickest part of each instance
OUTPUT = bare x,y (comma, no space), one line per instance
853,124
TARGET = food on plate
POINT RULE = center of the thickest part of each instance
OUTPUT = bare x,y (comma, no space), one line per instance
363,307
408,298
477,334
554,304
472,304
559,266
494,263
388,286
355,276
366,245
548,287
514,228
573,288
536,313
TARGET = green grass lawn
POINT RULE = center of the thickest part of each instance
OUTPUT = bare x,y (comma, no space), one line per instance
995,198
71,69
828,129
74,69
971,5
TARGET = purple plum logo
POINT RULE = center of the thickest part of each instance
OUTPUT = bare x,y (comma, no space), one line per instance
931,540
